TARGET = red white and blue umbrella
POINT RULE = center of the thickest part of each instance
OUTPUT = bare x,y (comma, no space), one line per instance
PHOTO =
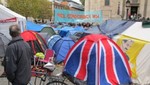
99,61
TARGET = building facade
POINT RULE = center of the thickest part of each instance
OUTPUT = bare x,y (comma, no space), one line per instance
3,2
141,7
118,9
109,8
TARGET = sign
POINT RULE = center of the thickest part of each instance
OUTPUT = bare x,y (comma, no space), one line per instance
77,16
8,20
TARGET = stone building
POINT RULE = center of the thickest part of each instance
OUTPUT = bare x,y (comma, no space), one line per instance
3,2
110,8
118,9
141,7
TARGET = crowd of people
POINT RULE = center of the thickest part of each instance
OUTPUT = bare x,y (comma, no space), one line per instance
137,17
86,26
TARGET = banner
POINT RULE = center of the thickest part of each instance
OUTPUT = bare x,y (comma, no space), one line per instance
8,20
77,16
132,48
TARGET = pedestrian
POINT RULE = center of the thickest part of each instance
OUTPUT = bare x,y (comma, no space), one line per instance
17,60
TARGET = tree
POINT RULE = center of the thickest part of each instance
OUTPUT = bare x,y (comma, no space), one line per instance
45,9
31,8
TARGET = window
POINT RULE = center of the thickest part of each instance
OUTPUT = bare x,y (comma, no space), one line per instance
107,2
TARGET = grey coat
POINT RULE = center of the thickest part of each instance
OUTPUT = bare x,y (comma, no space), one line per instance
17,61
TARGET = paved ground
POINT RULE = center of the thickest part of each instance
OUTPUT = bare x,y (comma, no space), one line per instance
4,81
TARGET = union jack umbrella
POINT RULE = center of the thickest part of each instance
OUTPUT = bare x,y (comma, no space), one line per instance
97,60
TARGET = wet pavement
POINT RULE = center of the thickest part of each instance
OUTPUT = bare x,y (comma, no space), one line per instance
4,81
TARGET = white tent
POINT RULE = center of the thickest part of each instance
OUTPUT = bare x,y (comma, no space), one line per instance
137,31
9,17
138,50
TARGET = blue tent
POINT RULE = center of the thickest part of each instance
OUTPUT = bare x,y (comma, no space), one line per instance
34,27
67,31
61,48
113,27
52,40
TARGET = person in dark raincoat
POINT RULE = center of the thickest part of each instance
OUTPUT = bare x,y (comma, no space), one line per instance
17,61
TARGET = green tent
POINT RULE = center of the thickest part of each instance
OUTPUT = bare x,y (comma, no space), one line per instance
48,30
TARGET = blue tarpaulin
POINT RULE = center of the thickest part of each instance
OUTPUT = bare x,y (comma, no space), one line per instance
34,27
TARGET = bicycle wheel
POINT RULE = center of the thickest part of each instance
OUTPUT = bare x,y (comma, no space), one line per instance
56,83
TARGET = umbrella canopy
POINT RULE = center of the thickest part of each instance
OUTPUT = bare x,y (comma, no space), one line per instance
98,60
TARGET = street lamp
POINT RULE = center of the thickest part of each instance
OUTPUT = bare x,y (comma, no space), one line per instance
127,6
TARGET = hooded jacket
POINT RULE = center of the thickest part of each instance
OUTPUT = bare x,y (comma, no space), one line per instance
17,61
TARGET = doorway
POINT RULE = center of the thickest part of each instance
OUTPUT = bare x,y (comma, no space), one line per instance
134,10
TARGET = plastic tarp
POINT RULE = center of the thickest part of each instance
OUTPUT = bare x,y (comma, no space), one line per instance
113,27
61,48
34,27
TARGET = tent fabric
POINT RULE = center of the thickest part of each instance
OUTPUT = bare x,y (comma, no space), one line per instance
44,35
61,48
138,53
132,48
52,40
137,31
3,44
34,27
99,61
146,24
37,43
139,59
6,14
64,33
48,30
94,30
143,65
67,31
113,27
